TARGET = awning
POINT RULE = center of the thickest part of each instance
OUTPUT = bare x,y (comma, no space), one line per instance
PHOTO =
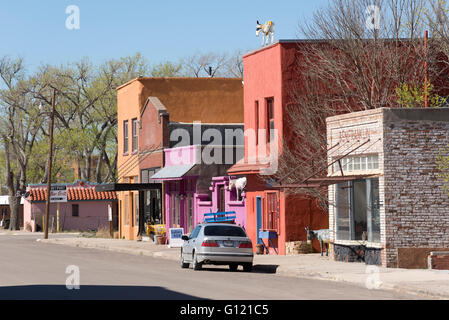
325,181
173,172
127,186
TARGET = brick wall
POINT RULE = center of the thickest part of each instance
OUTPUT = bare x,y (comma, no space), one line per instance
416,206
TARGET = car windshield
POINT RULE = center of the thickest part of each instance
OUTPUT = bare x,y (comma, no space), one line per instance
228,231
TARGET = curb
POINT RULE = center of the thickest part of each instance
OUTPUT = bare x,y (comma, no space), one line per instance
277,270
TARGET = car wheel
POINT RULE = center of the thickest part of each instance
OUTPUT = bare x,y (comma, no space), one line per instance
233,267
183,264
195,264
248,267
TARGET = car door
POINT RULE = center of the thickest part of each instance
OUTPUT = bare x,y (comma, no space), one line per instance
190,244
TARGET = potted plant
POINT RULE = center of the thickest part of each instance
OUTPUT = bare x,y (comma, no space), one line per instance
160,235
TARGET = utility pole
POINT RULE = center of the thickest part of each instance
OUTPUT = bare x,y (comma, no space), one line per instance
49,163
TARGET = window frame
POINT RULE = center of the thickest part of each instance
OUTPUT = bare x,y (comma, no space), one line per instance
256,118
125,137
270,123
134,136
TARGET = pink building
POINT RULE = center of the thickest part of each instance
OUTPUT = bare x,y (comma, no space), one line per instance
221,199
85,208
193,188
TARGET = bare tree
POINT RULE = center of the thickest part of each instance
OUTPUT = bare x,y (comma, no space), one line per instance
348,62
204,64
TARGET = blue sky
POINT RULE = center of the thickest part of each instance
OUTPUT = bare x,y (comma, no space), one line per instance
160,30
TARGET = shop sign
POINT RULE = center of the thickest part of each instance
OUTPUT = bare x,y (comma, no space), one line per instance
175,237
58,194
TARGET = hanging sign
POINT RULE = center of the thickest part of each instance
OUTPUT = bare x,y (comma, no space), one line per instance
175,237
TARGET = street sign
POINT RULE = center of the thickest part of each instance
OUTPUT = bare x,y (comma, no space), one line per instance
58,194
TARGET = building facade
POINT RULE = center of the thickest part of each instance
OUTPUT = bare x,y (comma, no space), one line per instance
85,209
388,206
268,79
149,110
187,176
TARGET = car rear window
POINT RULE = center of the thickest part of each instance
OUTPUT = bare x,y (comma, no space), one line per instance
227,231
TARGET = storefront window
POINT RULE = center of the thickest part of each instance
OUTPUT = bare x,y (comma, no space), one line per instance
153,213
343,210
136,209
357,163
189,212
358,210
126,204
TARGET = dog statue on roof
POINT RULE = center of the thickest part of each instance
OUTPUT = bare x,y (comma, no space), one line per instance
267,30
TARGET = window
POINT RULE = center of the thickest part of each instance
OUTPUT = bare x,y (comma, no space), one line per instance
126,210
146,174
271,214
357,163
224,231
136,209
134,134
195,232
256,118
221,199
189,212
125,136
358,210
270,119
75,210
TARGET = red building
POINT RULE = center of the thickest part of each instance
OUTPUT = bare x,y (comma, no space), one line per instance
281,217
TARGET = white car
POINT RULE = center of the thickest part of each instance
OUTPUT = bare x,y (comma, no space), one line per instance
218,244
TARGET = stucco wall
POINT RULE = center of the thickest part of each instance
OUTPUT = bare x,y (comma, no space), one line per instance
92,214
206,204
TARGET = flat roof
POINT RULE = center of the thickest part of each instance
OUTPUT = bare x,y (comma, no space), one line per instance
127,186
177,79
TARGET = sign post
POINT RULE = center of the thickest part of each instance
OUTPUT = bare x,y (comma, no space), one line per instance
58,194
111,226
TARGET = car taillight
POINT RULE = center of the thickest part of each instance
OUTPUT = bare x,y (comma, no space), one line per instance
209,243
246,245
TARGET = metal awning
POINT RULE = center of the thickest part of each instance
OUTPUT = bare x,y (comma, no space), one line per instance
127,186
325,181
173,172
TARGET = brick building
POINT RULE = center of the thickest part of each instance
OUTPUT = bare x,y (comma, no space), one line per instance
387,204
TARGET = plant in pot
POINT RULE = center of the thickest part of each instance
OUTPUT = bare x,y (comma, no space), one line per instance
160,235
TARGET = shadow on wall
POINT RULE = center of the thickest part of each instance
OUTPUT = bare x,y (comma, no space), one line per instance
89,292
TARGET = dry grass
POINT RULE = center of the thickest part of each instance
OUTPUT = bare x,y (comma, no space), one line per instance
103,233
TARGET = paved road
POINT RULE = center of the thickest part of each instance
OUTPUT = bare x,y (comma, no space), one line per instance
34,270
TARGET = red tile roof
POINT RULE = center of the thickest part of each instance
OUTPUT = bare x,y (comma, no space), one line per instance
76,192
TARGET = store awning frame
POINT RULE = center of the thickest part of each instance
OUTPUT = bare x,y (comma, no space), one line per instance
311,182
127,186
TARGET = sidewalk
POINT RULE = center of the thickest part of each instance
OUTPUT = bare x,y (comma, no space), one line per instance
426,283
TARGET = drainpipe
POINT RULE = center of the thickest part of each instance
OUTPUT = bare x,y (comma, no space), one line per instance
425,69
